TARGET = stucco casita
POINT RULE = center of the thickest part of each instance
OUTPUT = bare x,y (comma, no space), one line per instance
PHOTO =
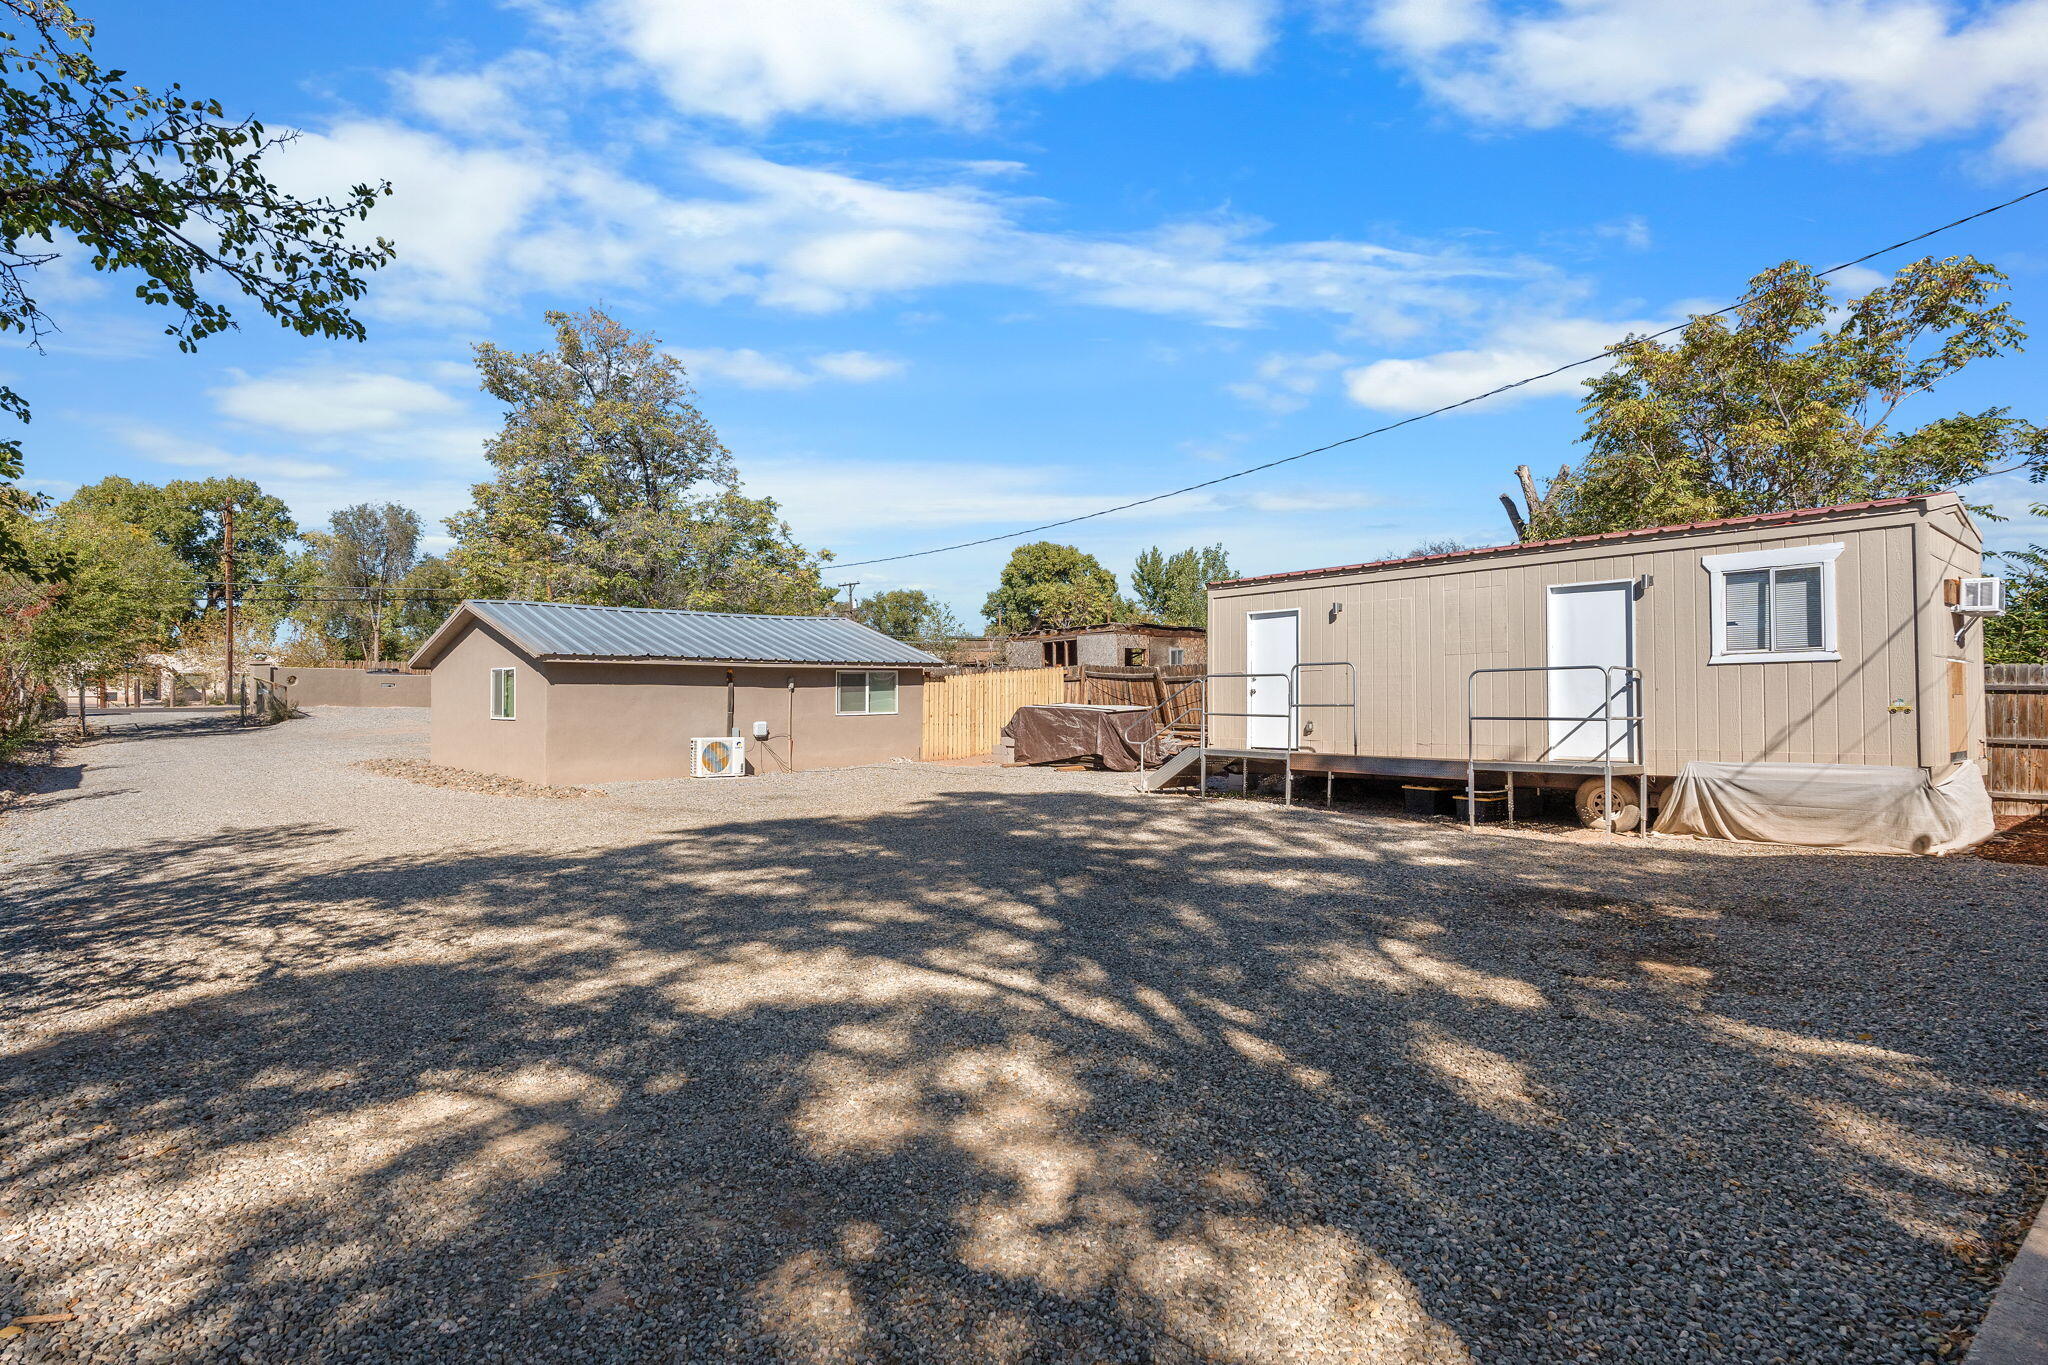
582,719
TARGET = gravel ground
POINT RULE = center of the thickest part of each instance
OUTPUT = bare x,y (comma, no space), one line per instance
970,1064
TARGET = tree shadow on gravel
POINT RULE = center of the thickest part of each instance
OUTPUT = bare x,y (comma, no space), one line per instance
1002,1077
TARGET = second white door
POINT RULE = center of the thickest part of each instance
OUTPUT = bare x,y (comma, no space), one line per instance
1273,648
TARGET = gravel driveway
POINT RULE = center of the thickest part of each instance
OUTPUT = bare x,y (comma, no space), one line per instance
305,1063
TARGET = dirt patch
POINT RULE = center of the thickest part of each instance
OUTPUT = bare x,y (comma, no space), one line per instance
2025,842
461,779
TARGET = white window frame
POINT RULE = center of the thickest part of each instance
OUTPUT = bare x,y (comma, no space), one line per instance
1176,656
868,691
1820,557
512,712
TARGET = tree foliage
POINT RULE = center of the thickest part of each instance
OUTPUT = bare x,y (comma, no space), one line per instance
1049,586
2021,635
364,558
160,185
612,487
186,517
1793,403
119,598
910,614
1173,589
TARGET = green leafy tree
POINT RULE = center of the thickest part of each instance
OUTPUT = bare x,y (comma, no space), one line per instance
1793,404
2021,635
118,599
1047,585
187,517
162,186
612,487
364,557
1174,589
910,614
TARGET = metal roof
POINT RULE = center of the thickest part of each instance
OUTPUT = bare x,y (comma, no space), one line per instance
572,630
1756,519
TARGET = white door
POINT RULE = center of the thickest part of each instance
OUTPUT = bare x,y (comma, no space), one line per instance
1272,648
1591,623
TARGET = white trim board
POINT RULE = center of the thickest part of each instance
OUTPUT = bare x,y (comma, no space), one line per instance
1790,557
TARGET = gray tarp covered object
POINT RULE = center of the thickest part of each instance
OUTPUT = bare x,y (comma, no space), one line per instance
1830,805
1062,734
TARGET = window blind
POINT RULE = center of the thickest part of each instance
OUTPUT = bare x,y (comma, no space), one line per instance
1748,629
1795,609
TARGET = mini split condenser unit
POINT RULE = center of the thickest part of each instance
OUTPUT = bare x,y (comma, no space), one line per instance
718,756
1981,597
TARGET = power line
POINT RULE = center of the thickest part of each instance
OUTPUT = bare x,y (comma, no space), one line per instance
1433,412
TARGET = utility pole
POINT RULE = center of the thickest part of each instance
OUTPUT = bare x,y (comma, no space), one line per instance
227,573
849,596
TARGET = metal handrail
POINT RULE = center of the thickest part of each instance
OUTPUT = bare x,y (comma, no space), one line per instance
1632,677
1296,703
1202,770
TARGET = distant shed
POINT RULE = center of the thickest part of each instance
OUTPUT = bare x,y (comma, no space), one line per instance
566,693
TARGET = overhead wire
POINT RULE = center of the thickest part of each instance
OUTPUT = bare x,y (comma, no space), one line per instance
1433,412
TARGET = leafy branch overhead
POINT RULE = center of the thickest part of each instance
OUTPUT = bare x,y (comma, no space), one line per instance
160,185
1795,401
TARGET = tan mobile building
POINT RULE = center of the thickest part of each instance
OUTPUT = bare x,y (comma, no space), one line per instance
565,694
1824,637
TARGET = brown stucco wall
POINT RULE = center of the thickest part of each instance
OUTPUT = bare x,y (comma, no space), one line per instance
350,686
628,722
1105,649
464,735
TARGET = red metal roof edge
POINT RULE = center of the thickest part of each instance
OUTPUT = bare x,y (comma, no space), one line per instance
1754,519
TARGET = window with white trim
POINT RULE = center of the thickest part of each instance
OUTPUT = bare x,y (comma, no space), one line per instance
1773,606
501,694
1176,656
868,693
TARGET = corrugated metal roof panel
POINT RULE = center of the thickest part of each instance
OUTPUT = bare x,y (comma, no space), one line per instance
568,630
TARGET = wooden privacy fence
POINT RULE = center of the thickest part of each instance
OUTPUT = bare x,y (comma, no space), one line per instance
1097,685
964,713
2016,736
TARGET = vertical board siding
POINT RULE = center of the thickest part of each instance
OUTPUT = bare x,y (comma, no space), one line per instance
2016,736
1417,633
964,713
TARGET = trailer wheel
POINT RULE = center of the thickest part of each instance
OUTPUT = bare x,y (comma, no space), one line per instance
1591,803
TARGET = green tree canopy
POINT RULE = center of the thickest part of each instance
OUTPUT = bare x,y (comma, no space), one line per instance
2021,635
163,186
909,614
1793,403
185,516
1047,585
364,558
612,487
119,599
1173,589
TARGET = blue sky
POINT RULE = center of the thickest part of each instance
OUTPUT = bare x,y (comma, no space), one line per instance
941,269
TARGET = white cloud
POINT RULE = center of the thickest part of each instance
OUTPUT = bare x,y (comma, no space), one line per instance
319,402
859,367
940,59
479,227
751,369
165,448
1513,350
1284,383
1696,78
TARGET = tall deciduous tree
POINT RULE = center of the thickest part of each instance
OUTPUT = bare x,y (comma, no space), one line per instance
1793,403
118,598
365,556
163,186
909,614
1047,585
612,487
187,517
1173,589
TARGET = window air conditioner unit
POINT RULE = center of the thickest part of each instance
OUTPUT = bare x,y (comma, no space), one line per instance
1981,597
718,756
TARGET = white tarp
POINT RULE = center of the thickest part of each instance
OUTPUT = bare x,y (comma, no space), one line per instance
1830,805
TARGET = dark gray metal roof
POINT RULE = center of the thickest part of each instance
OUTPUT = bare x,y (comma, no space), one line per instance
567,630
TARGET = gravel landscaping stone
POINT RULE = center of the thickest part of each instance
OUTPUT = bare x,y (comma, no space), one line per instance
490,784
937,1063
